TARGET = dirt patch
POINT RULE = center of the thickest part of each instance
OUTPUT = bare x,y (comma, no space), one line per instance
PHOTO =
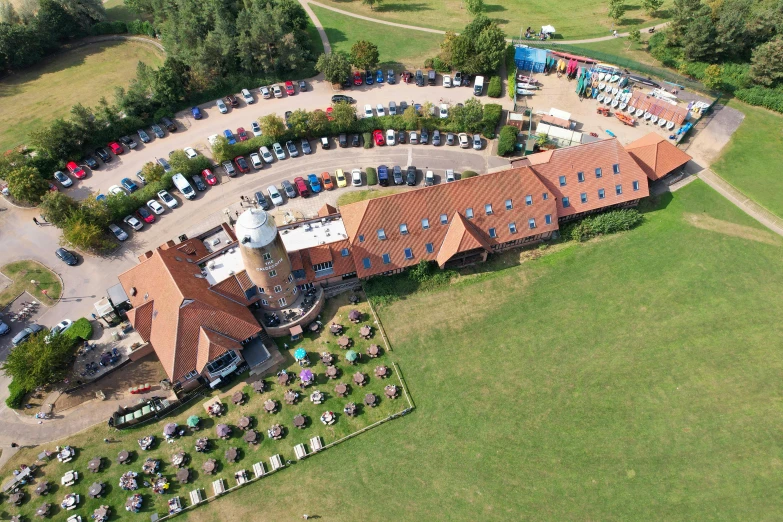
713,133
727,228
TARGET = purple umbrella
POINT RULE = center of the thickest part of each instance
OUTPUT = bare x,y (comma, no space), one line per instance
170,429
306,375
223,430
354,315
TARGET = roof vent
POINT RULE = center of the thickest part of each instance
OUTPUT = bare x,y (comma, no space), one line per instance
133,291
146,296
189,260
246,240
178,258
200,276
211,265
231,272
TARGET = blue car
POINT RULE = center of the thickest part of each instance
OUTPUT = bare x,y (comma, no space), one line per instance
391,78
129,185
230,137
196,113
383,175
100,197
379,76
315,184
368,78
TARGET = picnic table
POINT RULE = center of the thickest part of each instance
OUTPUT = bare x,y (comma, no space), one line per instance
373,351
259,386
232,454
178,459
317,397
327,358
276,432
332,372
69,501
370,400
355,316
42,488
300,421
202,444
290,396
123,457
391,391
69,478
95,490
344,341
209,466
270,406
95,464
150,466
341,390
251,436
213,407
365,331
183,474
43,510
360,379
314,326
133,503
381,371
244,423
223,431
350,409
145,443
101,514
16,498
66,454
238,398
328,418
336,329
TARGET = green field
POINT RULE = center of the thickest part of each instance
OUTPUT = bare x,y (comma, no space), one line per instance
396,46
624,48
571,18
116,10
36,96
21,273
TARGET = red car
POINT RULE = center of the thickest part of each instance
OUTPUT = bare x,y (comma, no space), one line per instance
53,187
289,88
241,164
145,215
357,78
329,111
75,170
378,137
242,134
209,177
116,148
301,187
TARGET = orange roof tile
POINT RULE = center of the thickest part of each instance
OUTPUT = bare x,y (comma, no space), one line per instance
320,254
326,210
461,236
656,155
296,260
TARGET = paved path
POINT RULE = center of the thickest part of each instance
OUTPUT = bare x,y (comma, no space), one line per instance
318,26
438,31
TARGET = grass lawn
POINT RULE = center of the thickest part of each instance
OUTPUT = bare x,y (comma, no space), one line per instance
360,195
21,273
620,47
316,45
751,160
117,11
573,19
395,46
83,75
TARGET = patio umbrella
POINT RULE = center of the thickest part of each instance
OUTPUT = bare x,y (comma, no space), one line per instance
222,430
193,421
350,355
169,429
548,29
354,315
306,375
300,354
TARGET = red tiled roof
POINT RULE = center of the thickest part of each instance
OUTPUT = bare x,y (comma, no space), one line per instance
320,254
554,120
461,236
587,158
326,210
141,319
363,219
341,265
296,260
656,155
211,345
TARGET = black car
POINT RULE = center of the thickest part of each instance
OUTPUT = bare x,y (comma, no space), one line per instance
343,139
397,175
302,86
410,177
436,137
338,98
450,139
157,130
419,78
401,107
383,175
103,154
287,116
288,188
424,137
128,142
91,162
306,146
170,125
348,83
143,136
200,185
65,256
261,201
401,136
355,141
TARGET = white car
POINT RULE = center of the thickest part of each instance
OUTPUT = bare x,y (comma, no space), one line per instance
278,91
266,155
212,140
446,80
221,105
255,159
256,128
275,196
247,96
64,180
390,137
477,142
265,94
115,190
450,176
414,138
155,207
119,233
59,328
380,110
444,110
279,152
368,111
190,152
429,179
356,178
132,222
464,141
167,199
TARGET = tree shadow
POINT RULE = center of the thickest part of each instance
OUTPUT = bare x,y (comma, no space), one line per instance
495,8
630,21
402,7
335,36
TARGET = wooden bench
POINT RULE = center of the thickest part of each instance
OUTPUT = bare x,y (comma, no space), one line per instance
316,444
196,497
258,469
218,487
300,451
276,461
241,477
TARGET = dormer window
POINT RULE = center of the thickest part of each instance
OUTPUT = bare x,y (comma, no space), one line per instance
488,209
381,234
404,229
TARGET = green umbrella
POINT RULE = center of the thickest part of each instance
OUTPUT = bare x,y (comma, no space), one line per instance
193,421
350,355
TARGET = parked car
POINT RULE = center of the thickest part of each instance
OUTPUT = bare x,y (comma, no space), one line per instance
156,207
209,177
302,86
247,96
383,175
116,148
256,128
266,155
356,178
450,176
242,134
279,152
116,190
27,333
141,178
196,112
414,138
200,185
232,100
410,176
305,143
53,187
278,92
464,141
450,139
425,137
229,169
446,80
64,180
401,137
128,142
379,109
301,186
379,76
289,189
119,233
165,164
391,78
325,142
143,136
132,222
390,137
402,107
357,78
444,110
129,185
419,78
103,154
265,92
314,182
397,175
342,98
477,142
429,179
339,175
392,109
368,78
274,195
157,130
406,77
292,150
343,140
356,141
377,137
457,79
368,111
436,137
169,124
221,105
348,83
66,257
167,199
229,136
241,164
261,201
289,88
326,181
255,160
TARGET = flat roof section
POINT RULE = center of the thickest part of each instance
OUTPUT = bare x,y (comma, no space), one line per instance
223,266
216,241
300,236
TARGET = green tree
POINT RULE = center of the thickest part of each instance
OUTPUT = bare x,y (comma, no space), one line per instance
79,232
153,172
683,12
26,184
221,149
85,12
634,36
651,6
476,26
713,77
335,67
120,205
700,37
411,118
344,115
475,7
182,164
364,55
171,81
272,125
319,122
767,63
57,207
94,212
617,9
299,121
447,48
56,139
372,3
38,362
507,140
469,116
490,48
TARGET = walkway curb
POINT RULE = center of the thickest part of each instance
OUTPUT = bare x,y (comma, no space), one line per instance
318,26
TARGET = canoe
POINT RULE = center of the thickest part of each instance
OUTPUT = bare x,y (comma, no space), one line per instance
615,103
602,86
669,125
623,81
614,78
530,86
623,106
610,133
600,98
639,113
608,100
614,91
601,76
647,115
525,92
588,91
625,118
654,119
595,92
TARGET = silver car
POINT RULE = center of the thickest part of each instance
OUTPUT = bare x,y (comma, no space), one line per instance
275,196
221,105
279,152
119,233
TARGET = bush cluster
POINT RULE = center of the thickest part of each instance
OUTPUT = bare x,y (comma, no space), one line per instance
372,176
507,140
468,174
16,395
120,27
771,99
80,330
426,275
603,224
495,87
511,70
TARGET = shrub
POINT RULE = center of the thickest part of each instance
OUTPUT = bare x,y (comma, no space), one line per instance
80,330
468,174
511,69
770,98
367,137
495,87
440,66
492,114
428,63
117,27
16,395
372,175
602,224
508,140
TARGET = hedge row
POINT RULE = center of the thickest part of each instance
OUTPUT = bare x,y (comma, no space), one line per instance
507,140
602,224
15,395
495,87
120,27
372,175
771,99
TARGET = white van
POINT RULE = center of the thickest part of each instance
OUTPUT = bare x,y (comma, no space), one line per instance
478,85
183,186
